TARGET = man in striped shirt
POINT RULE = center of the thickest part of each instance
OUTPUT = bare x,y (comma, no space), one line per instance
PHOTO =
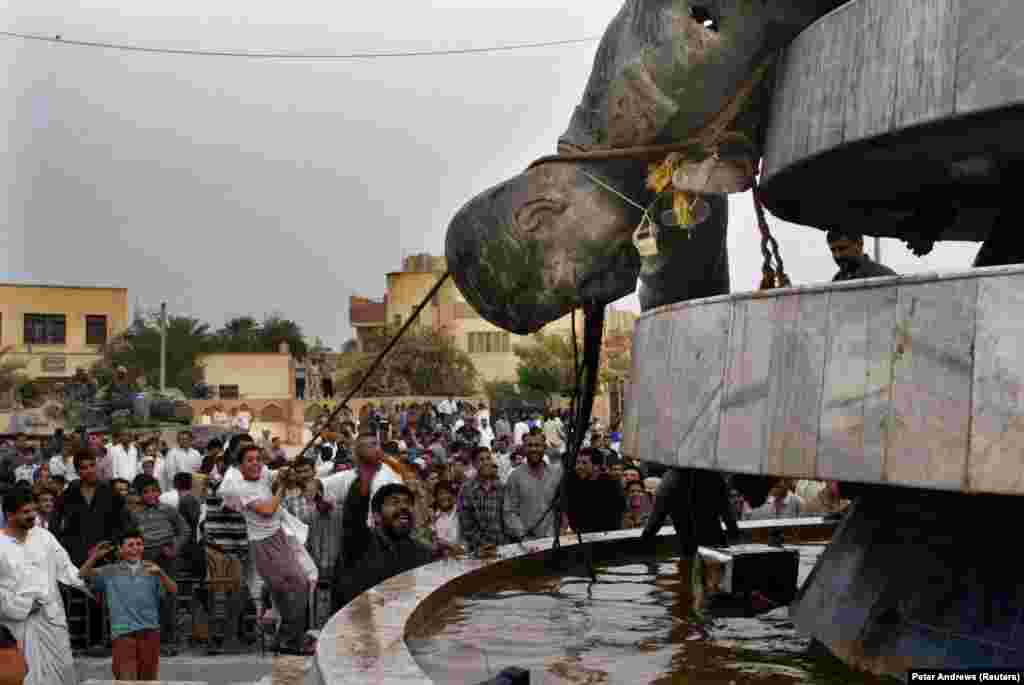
224,530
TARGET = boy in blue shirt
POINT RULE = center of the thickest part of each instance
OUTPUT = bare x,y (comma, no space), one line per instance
132,588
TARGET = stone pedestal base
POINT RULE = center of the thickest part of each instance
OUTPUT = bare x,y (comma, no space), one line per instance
916,579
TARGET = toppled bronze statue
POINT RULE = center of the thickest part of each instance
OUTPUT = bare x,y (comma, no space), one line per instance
676,101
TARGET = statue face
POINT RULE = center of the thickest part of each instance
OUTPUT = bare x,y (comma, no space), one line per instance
531,249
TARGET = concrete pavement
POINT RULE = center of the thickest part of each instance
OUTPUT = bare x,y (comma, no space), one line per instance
244,669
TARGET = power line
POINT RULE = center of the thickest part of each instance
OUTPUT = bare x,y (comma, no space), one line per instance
58,39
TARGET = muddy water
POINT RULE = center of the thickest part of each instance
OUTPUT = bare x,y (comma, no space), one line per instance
634,626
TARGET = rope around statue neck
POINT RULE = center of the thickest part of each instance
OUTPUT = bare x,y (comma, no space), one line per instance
708,137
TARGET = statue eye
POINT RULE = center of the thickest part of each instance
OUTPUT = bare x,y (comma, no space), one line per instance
703,16
532,216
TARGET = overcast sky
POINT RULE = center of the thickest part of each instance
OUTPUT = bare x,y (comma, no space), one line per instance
232,186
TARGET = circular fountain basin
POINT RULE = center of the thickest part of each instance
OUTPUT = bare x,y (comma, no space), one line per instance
368,640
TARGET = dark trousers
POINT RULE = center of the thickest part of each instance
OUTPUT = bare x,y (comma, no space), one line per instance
226,611
300,388
293,607
168,602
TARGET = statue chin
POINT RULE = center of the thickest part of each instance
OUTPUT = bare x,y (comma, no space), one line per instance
527,311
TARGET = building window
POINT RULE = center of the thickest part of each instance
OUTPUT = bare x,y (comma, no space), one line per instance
228,392
44,329
95,329
488,342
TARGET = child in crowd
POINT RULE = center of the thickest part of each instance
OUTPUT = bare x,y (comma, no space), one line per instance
446,518
45,494
132,588
638,506
166,533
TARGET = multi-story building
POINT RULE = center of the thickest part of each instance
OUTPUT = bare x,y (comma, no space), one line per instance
56,330
490,347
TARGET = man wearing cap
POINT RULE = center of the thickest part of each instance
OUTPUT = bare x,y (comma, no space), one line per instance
848,251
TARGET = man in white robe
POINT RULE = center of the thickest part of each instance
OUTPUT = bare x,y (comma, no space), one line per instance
32,562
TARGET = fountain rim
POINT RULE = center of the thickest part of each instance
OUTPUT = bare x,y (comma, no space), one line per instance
860,284
388,660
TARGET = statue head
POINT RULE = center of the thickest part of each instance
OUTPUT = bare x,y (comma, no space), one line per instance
542,243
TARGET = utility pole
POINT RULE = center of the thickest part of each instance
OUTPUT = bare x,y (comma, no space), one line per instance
163,346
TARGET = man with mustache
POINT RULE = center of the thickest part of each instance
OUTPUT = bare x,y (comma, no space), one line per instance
847,249
371,556
596,500
32,562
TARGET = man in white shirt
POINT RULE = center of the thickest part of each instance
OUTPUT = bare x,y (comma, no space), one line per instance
328,450
63,464
486,432
274,559
368,451
503,457
124,458
181,459
32,563
520,430
446,408
553,431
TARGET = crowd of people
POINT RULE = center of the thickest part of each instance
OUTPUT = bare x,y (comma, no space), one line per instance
128,519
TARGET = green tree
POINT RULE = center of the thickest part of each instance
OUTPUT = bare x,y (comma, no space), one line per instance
138,350
507,394
246,334
546,365
240,334
616,358
423,362
276,329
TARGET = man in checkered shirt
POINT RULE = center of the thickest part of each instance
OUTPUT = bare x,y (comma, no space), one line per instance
480,518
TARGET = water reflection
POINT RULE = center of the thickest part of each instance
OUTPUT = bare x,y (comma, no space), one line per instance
638,624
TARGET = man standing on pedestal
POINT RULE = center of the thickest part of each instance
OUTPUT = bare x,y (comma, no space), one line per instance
847,249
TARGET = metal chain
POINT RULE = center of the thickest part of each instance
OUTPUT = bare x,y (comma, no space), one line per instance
774,276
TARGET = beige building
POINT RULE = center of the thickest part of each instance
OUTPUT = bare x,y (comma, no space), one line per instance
490,347
59,329
245,375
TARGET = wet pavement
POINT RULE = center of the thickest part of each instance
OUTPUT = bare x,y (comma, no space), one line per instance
244,669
